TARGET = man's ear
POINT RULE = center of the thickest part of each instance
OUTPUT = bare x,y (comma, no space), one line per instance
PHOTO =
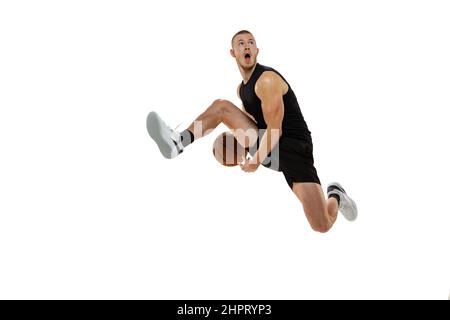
232,53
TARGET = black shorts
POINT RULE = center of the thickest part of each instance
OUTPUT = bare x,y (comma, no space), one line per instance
294,158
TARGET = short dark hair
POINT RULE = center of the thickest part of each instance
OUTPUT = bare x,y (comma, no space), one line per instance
239,33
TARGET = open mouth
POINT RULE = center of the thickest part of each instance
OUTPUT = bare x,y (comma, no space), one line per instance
247,57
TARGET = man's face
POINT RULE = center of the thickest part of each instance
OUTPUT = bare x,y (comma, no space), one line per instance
245,50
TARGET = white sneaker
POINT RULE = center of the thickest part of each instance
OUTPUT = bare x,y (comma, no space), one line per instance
167,139
347,206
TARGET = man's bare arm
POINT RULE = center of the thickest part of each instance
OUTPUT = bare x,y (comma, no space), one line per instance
270,88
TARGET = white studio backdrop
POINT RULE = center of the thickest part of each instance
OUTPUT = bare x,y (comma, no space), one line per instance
89,209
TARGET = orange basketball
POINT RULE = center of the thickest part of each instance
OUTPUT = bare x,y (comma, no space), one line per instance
227,150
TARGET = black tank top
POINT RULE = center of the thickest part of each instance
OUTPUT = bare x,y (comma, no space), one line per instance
293,125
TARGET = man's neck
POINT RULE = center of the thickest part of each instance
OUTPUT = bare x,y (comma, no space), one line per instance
247,73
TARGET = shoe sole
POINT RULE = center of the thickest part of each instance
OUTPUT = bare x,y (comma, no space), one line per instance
354,211
154,129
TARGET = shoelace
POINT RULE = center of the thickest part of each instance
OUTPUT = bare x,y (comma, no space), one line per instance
174,134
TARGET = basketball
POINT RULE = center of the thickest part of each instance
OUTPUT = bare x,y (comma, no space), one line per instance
227,150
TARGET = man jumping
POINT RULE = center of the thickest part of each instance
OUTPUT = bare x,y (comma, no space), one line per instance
270,107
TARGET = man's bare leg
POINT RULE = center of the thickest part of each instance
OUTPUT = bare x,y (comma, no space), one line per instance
223,111
171,143
321,213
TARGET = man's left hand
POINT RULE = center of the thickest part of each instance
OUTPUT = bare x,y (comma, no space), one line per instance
249,165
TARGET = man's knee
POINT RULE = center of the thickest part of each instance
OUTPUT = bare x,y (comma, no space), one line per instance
221,106
322,228
320,225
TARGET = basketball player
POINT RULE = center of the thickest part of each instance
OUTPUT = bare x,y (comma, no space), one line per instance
269,106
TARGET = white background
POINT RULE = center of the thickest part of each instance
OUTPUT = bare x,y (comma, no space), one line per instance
90,209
